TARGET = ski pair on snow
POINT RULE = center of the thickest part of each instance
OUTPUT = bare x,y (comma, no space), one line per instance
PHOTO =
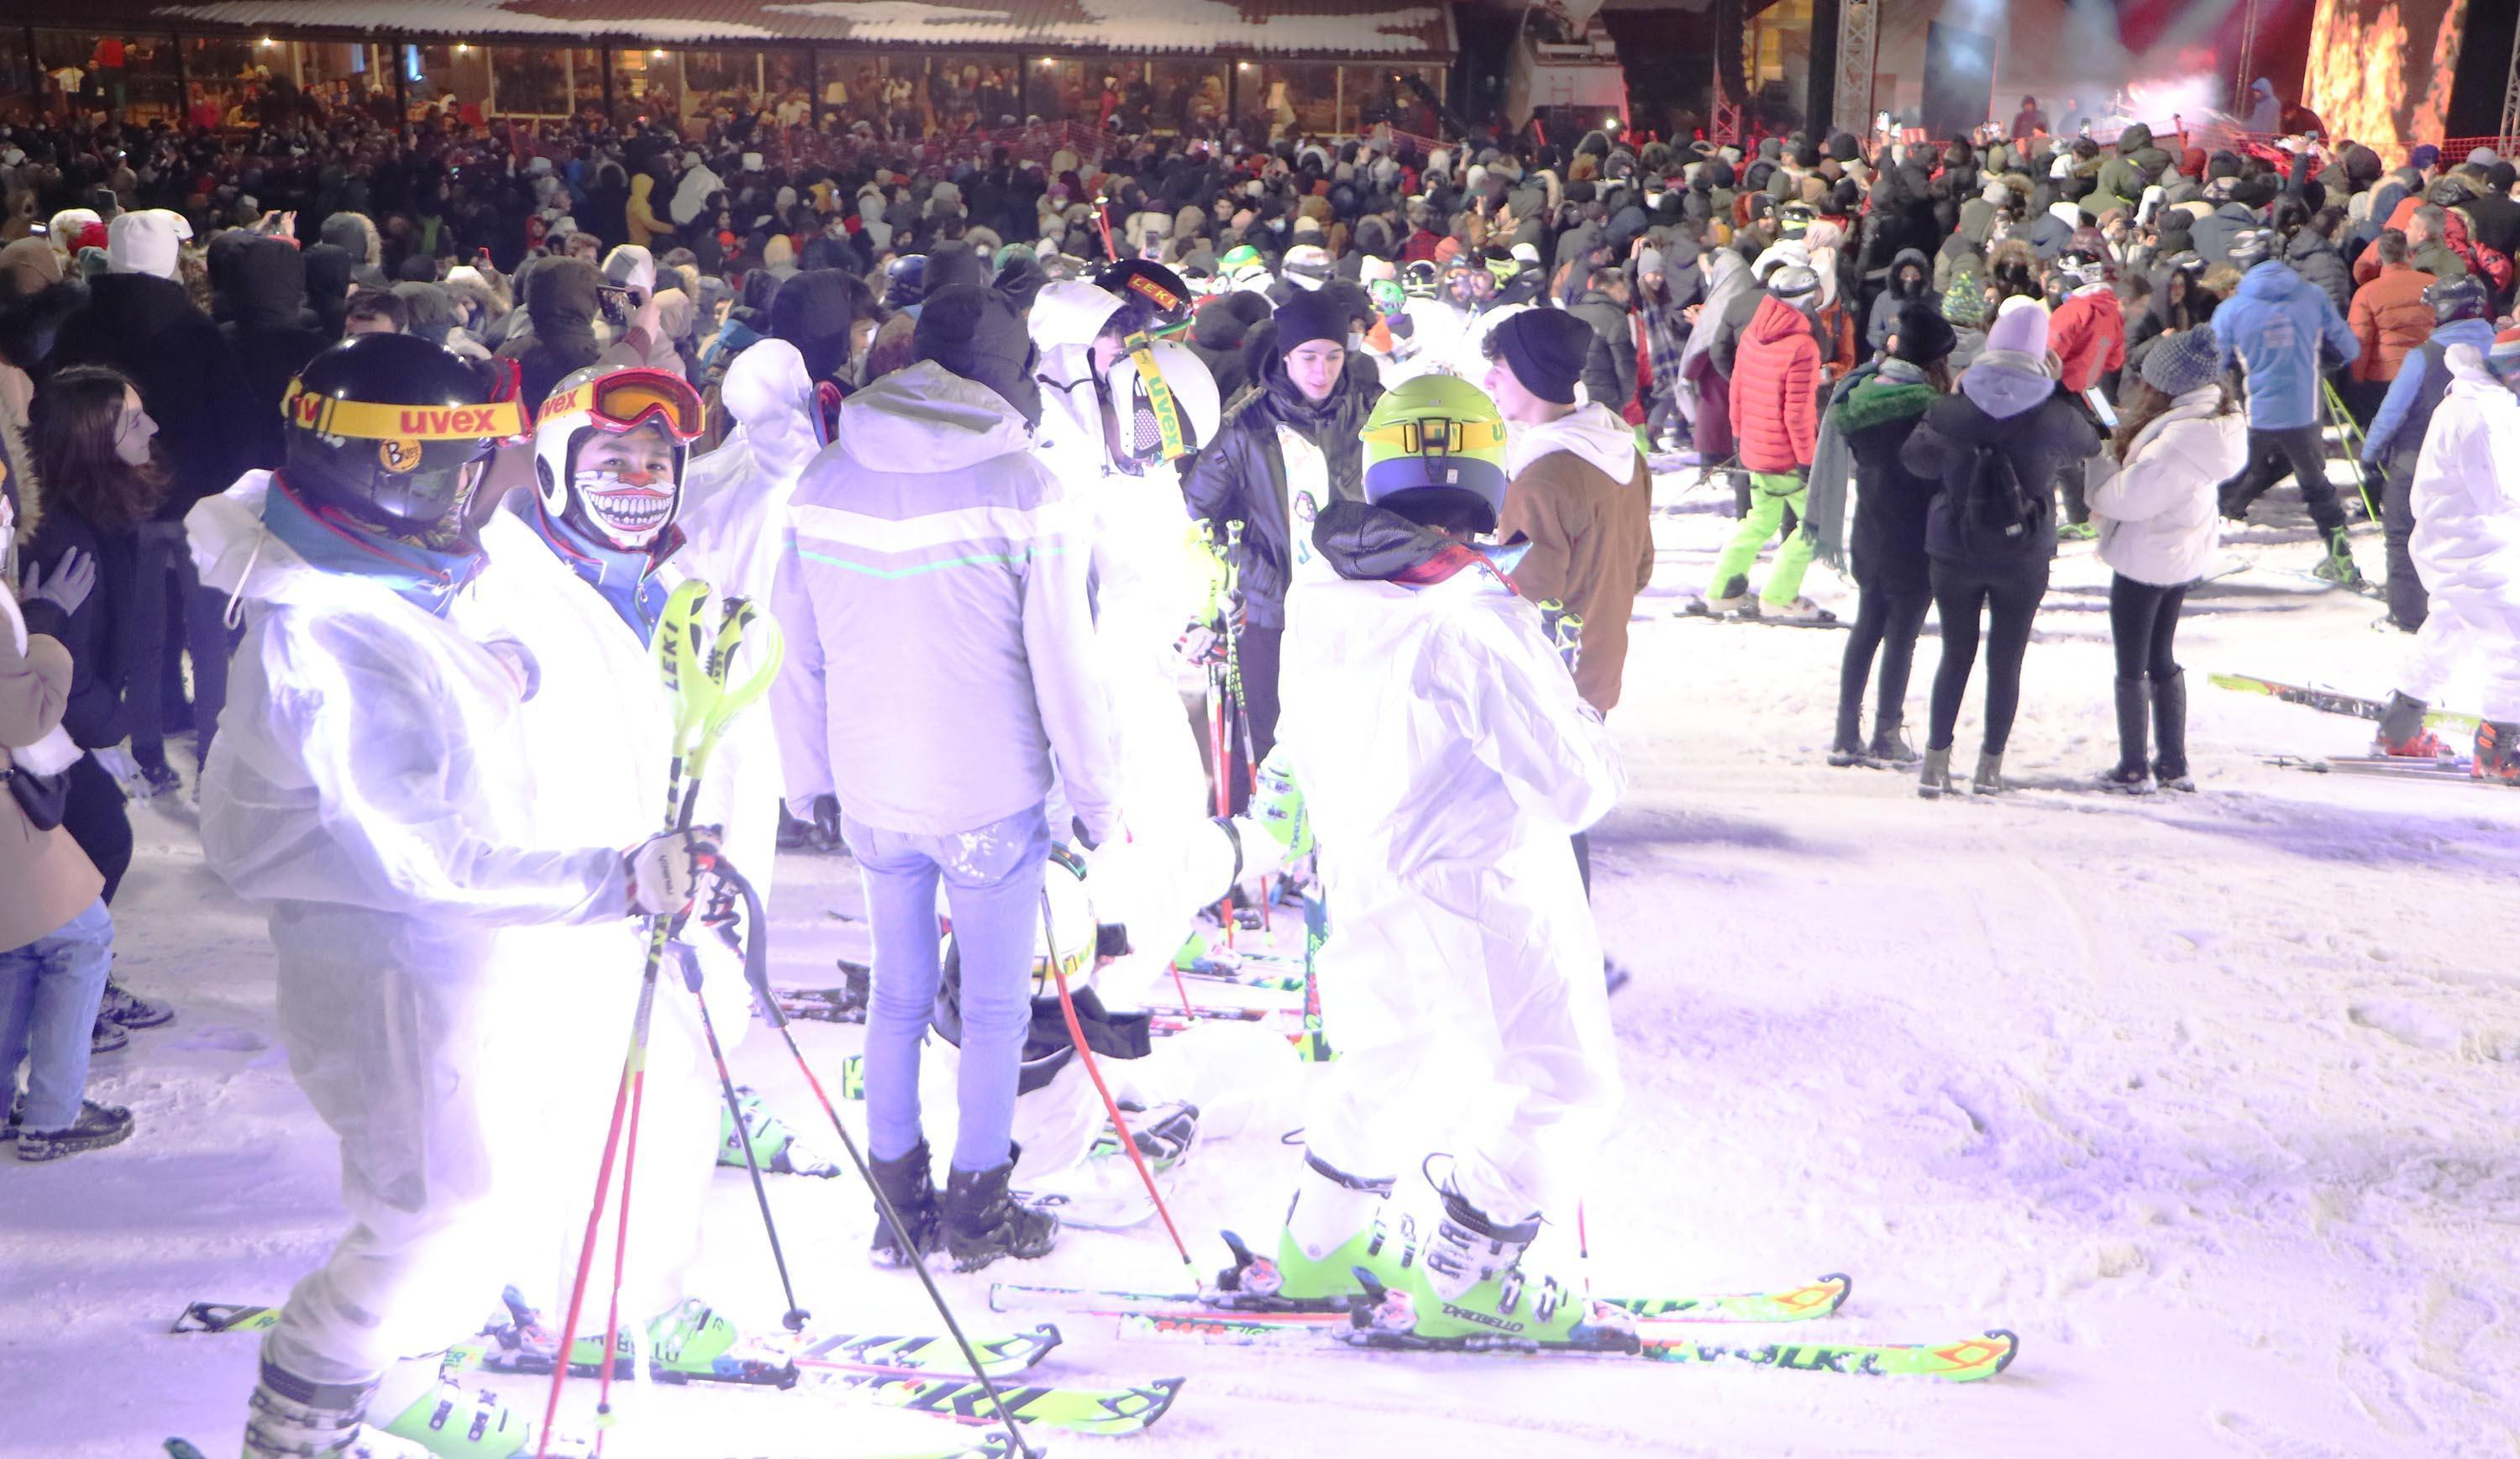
1237,1317
916,1373
992,1446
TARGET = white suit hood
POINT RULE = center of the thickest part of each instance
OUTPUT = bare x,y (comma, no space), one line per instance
1595,432
1070,313
927,419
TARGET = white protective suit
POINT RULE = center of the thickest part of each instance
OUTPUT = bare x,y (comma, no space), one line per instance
598,732
1146,575
2467,499
734,499
371,780
1446,759
1064,319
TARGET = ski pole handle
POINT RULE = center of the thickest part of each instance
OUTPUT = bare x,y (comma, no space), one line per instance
1570,639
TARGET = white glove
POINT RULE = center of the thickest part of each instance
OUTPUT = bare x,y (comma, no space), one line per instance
118,763
666,872
73,579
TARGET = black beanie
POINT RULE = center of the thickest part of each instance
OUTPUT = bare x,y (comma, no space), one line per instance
1309,316
1924,336
813,311
1544,348
975,333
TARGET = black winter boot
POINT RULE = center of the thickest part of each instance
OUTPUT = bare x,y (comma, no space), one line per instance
983,1222
2169,734
1890,748
906,1184
2132,774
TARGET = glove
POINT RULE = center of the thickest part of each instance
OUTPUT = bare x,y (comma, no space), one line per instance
826,832
666,872
116,762
73,579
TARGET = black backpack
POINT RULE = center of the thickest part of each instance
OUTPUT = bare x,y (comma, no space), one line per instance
1996,509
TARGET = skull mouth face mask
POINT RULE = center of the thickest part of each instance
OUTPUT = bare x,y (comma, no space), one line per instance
626,508
625,490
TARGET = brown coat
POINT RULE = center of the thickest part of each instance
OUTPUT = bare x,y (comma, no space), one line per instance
1592,549
2390,319
45,880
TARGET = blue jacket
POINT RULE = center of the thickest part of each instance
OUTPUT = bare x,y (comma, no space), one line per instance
2410,382
2274,325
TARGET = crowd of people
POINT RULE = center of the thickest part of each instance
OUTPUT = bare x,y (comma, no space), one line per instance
376,464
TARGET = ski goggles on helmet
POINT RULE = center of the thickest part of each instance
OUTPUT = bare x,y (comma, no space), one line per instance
409,428
1434,436
627,399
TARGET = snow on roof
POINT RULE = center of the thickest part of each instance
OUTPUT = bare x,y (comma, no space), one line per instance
1288,28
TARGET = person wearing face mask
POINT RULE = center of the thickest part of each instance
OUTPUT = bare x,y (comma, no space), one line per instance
1288,450
579,571
374,781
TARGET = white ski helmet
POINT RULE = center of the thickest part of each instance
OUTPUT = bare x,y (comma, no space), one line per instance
1078,944
1168,417
626,515
1307,266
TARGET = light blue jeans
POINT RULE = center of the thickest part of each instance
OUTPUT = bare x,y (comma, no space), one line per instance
48,992
992,876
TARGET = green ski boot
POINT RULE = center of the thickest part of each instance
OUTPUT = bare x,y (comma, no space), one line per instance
775,1146
448,1422
1334,1229
1473,1291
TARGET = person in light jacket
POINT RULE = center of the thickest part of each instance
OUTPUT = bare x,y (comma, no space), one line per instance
937,555
2182,437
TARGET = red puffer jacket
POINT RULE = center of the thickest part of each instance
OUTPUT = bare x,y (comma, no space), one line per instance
1776,383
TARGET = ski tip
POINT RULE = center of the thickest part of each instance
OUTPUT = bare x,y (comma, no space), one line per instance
2011,1347
1845,1286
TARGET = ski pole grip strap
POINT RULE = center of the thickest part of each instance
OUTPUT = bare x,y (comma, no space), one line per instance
756,941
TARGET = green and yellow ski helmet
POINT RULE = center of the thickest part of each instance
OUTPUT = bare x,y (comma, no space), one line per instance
1436,433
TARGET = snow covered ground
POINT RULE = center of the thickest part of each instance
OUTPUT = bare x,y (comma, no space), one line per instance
2209,1098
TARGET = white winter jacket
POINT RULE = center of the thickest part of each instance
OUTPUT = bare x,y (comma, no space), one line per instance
2158,516
940,649
2466,492
735,498
597,732
371,773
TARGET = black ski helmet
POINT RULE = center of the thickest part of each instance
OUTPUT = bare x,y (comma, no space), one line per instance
2461,297
1152,298
389,428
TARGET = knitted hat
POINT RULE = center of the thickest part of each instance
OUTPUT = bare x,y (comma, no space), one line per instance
975,333
2021,326
1924,334
1964,302
1544,348
1308,316
145,242
2186,361
2505,358
2482,156
2251,246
